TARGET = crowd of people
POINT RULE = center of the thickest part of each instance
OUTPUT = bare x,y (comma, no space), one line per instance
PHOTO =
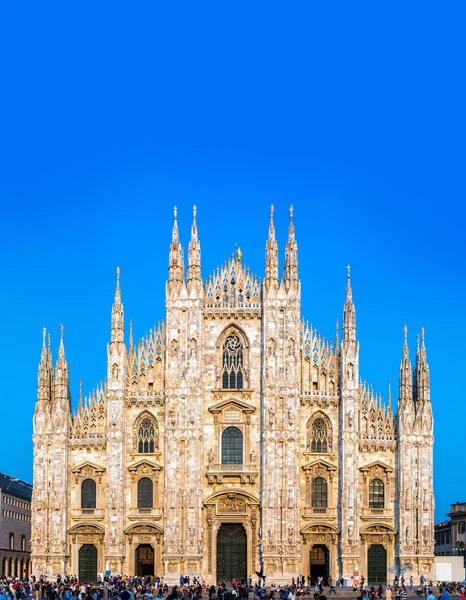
153,588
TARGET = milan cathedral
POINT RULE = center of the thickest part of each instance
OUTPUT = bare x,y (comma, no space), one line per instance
233,438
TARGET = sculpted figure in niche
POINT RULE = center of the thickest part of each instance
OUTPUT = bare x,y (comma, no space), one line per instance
407,535
425,535
290,534
349,372
408,500
210,456
272,347
193,348
253,457
350,419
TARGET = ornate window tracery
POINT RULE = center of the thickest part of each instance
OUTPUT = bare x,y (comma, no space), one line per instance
320,441
232,446
232,363
319,493
376,494
146,436
88,493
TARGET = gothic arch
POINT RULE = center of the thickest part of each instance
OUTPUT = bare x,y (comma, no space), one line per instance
242,379
145,438
319,434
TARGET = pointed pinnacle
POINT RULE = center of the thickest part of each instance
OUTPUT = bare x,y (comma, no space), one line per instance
422,337
44,333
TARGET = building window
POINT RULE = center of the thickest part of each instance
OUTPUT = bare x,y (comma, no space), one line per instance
319,436
88,494
232,446
461,527
12,541
232,363
376,494
23,543
146,436
145,493
319,493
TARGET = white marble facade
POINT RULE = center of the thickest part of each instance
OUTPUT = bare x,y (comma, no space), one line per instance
234,411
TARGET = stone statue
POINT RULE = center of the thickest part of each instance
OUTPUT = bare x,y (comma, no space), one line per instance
253,457
210,456
290,534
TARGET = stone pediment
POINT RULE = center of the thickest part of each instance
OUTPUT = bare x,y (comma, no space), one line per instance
320,528
231,493
144,528
376,469
87,529
320,467
145,467
234,403
88,469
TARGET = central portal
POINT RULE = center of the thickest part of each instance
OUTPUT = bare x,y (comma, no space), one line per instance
231,553
145,560
319,561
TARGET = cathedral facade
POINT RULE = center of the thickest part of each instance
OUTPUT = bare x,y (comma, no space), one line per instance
233,438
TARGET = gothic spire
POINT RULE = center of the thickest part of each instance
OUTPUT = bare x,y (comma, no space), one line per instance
271,256
176,259
349,312
194,257
291,256
406,376
421,373
44,373
117,327
61,373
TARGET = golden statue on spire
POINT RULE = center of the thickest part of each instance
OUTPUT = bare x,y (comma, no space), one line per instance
239,254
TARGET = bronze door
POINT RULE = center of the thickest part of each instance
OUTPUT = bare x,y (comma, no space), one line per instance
231,553
88,564
145,560
376,564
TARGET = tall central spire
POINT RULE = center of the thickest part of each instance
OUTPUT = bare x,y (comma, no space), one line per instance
291,256
271,256
194,258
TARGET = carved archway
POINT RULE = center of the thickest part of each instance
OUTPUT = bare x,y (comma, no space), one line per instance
231,506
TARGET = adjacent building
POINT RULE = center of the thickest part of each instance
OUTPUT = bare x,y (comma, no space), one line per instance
234,437
450,536
15,526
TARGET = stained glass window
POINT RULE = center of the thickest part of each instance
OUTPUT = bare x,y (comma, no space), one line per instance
232,363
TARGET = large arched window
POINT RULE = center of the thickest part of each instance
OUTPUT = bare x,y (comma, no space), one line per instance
319,436
145,493
232,363
88,494
319,493
232,446
376,494
146,436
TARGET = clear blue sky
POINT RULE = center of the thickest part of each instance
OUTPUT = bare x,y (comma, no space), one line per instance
111,113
